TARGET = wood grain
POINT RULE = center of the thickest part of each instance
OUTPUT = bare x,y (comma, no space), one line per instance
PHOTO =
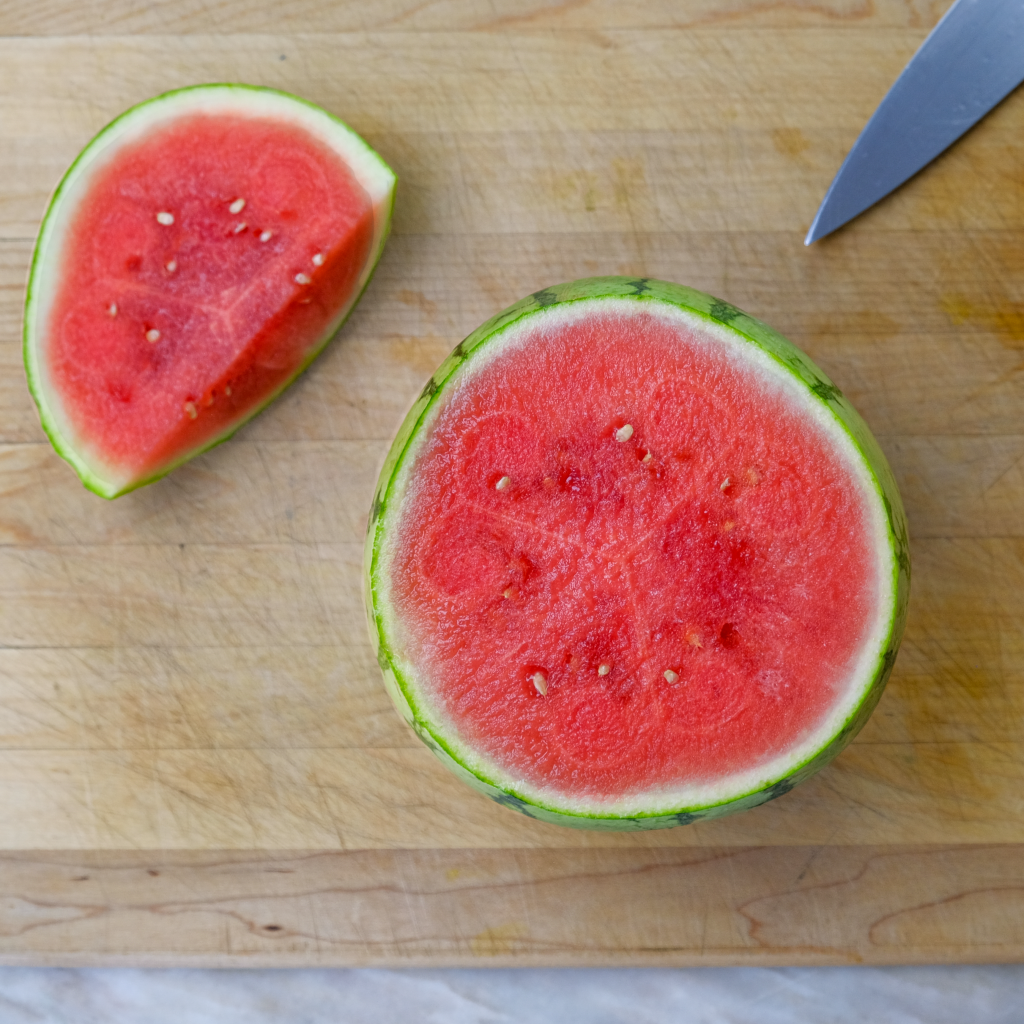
198,763
708,907
106,17
642,131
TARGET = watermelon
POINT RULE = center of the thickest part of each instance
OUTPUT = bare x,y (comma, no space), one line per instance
633,560
194,260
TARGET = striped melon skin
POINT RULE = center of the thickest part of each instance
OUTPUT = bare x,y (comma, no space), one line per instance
243,101
401,677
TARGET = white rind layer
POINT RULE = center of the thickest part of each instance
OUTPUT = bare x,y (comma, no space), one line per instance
774,377
375,177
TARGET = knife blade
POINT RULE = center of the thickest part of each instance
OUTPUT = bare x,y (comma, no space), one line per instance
973,58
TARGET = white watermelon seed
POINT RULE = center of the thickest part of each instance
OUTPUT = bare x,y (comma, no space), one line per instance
301,279
724,484
670,675
266,236
190,409
604,669
112,309
172,266
624,433
165,218
227,390
648,457
237,206
318,259
240,227
153,335
508,594
502,483
540,683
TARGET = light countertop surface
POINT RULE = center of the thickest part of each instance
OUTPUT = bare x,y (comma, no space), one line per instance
842,995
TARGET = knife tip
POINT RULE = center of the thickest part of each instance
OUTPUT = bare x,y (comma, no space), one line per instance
814,232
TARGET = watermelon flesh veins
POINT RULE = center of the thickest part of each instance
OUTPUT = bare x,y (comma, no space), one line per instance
628,562
203,262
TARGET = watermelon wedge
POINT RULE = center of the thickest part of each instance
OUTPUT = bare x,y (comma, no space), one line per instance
194,260
633,560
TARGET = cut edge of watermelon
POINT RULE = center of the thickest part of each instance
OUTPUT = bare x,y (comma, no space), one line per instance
784,363
372,173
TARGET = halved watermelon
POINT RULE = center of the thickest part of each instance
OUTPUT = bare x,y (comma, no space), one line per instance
194,260
633,559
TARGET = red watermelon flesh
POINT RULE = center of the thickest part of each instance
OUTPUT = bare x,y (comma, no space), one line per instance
629,561
203,261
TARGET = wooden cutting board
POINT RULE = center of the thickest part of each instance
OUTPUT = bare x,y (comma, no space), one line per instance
198,762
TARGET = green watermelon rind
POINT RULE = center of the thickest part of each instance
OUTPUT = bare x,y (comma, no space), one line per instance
800,366
89,478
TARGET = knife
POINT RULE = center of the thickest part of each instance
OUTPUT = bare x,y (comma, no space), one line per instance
972,59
